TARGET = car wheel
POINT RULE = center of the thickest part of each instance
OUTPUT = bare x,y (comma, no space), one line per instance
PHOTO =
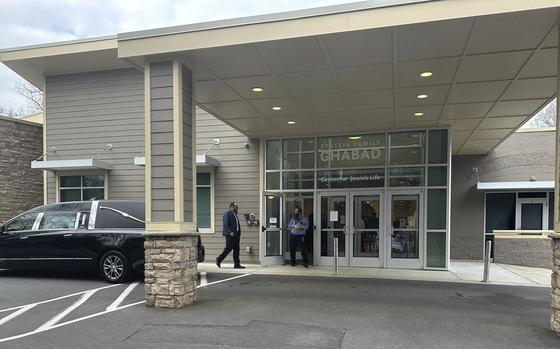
114,267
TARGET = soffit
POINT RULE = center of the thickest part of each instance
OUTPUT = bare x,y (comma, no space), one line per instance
490,74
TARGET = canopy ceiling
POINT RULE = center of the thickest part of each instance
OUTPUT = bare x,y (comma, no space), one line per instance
489,75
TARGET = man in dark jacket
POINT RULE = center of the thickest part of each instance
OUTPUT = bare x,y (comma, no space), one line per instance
232,233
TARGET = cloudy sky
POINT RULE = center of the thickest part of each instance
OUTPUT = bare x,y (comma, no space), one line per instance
26,22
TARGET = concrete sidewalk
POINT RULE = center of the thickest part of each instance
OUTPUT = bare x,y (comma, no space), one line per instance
459,271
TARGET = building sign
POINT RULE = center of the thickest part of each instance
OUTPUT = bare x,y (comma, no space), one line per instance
345,152
366,178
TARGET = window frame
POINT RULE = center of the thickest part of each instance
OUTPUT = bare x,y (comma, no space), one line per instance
105,187
209,171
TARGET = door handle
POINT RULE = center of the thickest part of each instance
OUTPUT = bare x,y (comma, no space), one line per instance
23,237
67,235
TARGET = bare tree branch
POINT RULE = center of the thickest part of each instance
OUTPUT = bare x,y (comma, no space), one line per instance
11,112
546,117
32,95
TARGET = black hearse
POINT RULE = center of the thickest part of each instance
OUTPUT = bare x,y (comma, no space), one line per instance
106,235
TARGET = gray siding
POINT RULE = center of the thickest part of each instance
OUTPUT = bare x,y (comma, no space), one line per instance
523,155
187,100
236,179
86,111
161,106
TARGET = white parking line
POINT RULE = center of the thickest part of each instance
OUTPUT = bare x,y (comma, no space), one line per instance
122,296
66,311
59,298
44,329
17,313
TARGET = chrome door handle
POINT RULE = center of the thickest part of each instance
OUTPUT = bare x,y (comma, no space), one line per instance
67,235
23,237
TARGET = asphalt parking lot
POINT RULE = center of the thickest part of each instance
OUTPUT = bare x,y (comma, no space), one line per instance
260,311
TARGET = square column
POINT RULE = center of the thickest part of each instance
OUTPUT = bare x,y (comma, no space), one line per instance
170,175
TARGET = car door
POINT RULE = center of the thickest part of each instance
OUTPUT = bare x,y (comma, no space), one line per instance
14,236
52,241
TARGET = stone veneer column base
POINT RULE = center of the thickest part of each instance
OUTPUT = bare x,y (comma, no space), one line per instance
170,273
555,302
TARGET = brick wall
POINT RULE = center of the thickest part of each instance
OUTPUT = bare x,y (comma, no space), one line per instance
20,187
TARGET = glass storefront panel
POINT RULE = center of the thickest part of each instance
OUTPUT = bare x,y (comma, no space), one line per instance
407,156
435,249
406,177
437,176
298,153
437,147
273,155
273,181
367,178
298,180
351,151
407,139
437,208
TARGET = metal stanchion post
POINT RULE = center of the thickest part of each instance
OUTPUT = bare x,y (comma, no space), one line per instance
335,255
487,253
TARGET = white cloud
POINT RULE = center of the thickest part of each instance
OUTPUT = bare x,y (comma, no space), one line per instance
26,22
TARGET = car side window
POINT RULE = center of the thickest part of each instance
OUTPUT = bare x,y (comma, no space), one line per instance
23,222
58,220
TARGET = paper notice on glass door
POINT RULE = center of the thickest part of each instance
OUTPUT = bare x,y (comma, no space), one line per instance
333,216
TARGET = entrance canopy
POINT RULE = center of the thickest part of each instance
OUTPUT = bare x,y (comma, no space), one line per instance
480,67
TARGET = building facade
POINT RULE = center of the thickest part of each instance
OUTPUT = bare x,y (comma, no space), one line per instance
369,117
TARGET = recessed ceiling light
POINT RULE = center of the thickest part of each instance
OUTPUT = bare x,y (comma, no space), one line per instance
291,122
419,114
355,137
426,74
422,96
257,89
276,108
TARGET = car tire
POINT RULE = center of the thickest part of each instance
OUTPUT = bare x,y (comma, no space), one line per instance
114,267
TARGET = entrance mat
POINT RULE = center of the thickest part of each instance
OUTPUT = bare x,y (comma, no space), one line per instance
256,334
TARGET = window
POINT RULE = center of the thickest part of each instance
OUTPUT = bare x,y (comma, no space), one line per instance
204,200
82,188
58,220
500,211
23,222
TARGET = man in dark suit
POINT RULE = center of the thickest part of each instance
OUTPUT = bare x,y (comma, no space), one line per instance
232,233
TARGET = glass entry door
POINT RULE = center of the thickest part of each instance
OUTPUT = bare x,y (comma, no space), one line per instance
333,222
366,240
272,240
405,241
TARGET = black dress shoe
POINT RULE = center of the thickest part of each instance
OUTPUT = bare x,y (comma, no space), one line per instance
218,263
306,265
238,267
